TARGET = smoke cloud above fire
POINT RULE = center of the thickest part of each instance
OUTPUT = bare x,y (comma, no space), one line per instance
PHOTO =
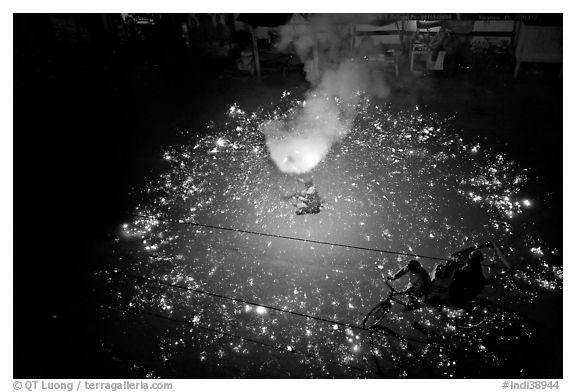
339,74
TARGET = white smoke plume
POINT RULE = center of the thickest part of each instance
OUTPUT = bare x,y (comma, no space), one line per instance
339,75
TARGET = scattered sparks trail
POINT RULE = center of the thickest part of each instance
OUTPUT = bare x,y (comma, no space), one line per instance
398,181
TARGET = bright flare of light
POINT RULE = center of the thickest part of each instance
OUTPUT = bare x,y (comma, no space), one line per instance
537,251
225,184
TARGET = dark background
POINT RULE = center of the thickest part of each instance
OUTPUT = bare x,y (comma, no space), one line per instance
93,108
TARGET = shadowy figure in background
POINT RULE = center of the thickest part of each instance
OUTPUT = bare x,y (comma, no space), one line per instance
462,278
308,200
456,283
419,283
469,279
